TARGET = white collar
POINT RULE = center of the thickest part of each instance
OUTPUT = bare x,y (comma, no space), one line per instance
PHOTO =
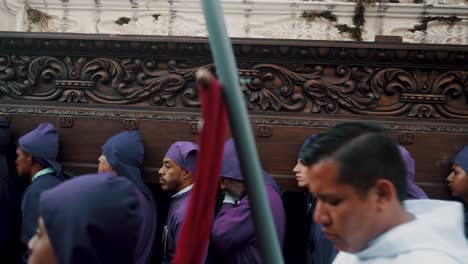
184,190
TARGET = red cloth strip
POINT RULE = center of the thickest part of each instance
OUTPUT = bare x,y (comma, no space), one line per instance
196,229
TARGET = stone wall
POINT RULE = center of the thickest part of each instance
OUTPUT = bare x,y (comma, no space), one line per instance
277,19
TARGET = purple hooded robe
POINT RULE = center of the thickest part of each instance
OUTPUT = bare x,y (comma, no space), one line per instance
461,159
92,219
43,144
414,191
233,237
183,153
125,153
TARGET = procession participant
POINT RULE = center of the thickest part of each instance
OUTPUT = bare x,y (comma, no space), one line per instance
359,181
176,177
233,237
37,163
123,155
458,180
89,219
413,190
319,250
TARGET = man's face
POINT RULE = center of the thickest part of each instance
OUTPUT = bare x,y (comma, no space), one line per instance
347,218
23,163
300,171
171,176
458,181
40,246
103,164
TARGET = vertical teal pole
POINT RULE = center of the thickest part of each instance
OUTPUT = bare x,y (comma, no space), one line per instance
226,69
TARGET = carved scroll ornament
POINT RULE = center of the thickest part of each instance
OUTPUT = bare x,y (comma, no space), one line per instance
269,87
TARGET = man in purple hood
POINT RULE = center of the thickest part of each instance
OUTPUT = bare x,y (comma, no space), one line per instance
233,237
176,177
37,163
413,191
458,181
123,155
86,220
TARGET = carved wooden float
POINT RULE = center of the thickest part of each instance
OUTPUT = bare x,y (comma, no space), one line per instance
92,86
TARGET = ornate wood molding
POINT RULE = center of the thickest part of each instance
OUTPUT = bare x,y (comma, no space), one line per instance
257,118
383,80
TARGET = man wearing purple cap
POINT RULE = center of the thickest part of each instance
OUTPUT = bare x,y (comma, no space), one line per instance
37,163
176,177
233,237
458,180
123,155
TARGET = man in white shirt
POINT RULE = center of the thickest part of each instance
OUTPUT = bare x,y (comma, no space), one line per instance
359,181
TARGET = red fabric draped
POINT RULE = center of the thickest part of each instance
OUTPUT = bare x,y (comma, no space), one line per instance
195,234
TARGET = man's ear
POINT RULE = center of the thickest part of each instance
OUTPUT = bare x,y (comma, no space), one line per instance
385,191
222,183
186,174
29,159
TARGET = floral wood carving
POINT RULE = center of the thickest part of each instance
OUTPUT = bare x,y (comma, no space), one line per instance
330,89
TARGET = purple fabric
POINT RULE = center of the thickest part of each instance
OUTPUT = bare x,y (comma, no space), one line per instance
414,191
92,219
125,154
308,141
320,250
233,238
43,144
175,218
30,204
461,159
231,166
184,153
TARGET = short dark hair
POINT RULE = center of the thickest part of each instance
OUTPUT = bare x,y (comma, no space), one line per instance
364,152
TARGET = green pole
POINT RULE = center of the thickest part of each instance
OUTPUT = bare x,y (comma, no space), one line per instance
226,69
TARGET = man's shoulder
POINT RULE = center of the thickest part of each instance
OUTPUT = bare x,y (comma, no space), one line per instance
417,256
47,179
44,182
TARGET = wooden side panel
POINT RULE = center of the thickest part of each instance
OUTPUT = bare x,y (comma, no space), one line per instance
81,146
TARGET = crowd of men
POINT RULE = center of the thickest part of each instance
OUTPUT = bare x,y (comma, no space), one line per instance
363,205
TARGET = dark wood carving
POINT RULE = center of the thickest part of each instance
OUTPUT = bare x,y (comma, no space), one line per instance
342,80
66,121
194,128
407,138
296,88
289,88
264,131
130,124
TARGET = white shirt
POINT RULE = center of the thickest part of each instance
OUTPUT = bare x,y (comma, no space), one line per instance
434,236
184,190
